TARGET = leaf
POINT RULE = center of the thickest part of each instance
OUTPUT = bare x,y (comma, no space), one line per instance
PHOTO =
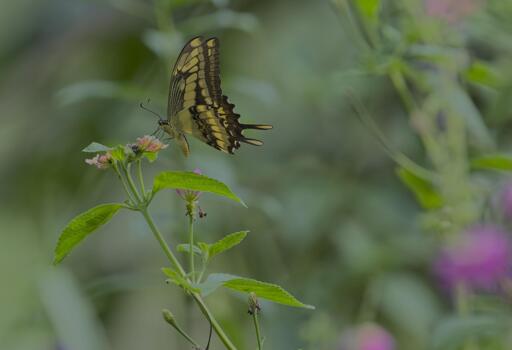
150,156
263,290
185,248
178,280
369,9
118,153
452,332
482,73
81,226
493,162
95,147
226,243
422,189
192,181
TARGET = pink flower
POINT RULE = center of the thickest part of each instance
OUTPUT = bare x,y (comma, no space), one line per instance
367,336
101,161
451,11
149,143
480,258
188,195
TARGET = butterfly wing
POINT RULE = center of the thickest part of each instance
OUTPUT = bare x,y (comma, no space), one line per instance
196,104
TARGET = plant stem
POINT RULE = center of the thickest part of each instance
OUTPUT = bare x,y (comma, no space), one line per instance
191,246
141,178
126,190
204,309
127,172
257,328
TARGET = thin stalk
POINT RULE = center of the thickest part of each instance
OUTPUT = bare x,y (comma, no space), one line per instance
204,309
257,328
191,246
127,172
141,178
125,186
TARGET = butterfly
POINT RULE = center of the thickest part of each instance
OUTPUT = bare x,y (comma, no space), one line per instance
196,105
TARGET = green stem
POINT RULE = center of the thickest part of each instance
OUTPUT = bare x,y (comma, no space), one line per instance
257,328
141,178
125,186
204,309
127,172
191,246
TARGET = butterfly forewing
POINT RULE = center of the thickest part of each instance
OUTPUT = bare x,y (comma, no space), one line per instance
196,105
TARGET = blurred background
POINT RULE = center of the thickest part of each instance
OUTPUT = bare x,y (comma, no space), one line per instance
330,214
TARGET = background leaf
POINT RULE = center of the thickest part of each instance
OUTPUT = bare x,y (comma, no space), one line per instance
81,226
493,162
226,243
422,189
192,181
95,147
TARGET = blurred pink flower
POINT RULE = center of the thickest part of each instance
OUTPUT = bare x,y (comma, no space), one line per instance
149,143
101,161
188,195
505,201
367,336
451,10
479,259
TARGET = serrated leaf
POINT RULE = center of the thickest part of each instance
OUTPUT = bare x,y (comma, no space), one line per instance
226,243
178,280
185,248
451,333
81,226
95,147
422,189
192,181
263,290
493,162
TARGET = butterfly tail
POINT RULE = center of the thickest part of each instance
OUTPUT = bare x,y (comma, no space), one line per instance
256,126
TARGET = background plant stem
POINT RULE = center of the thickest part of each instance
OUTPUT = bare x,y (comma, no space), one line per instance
257,328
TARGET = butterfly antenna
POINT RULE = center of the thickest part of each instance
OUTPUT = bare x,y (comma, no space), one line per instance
149,110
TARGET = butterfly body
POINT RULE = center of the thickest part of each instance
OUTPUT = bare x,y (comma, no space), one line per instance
196,105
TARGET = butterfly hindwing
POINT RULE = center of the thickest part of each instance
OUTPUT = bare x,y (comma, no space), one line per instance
196,105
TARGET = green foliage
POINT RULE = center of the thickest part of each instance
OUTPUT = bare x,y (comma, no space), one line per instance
369,9
185,248
194,182
81,226
423,190
178,280
95,147
119,153
224,244
264,290
493,162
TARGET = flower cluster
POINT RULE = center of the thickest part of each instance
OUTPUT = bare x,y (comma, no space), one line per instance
367,336
100,161
149,143
479,259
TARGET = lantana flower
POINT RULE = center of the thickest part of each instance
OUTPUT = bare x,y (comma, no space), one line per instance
148,143
101,161
188,195
367,336
480,259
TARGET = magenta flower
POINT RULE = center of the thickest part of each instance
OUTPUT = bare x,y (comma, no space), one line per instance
367,336
101,161
451,11
149,143
479,259
188,195
505,201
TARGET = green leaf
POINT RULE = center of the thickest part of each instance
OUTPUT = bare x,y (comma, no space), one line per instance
185,248
493,162
81,226
453,332
95,147
482,73
194,182
369,9
263,290
178,280
423,190
118,153
150,156
226,243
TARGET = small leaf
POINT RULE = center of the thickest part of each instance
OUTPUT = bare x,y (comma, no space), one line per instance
118,153
150,156
482,73
493,162
95,147
226,243
192,181
369,9
81,226
423,190
185,248
178,280
263,290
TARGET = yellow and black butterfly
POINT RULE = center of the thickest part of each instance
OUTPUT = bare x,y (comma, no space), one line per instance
196,105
